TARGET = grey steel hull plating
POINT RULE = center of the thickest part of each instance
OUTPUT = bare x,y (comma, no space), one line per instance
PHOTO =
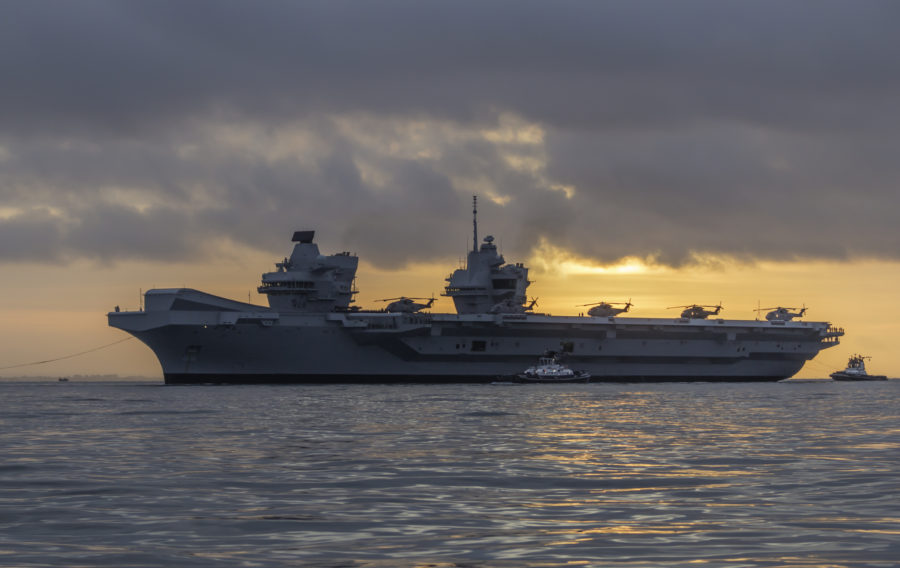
219,341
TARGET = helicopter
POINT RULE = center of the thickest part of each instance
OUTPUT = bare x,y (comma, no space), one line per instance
607,309
782,314
406,305
508,306
695,311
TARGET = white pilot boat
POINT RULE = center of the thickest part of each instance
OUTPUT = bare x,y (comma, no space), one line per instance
550,370
856,371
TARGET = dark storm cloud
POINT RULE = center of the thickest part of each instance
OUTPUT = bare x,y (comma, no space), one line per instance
757,130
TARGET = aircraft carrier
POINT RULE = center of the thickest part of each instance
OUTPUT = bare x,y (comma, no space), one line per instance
312,332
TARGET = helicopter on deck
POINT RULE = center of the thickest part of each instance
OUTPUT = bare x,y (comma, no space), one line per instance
782,314
607,309
696,311
509,306
406,305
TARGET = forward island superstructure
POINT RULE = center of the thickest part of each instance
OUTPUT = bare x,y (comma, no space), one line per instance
311,332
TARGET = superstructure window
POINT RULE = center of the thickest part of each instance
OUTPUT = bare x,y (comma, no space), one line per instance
479,345
301,284
504,284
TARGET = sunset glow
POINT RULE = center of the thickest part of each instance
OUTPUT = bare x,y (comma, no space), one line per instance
858,297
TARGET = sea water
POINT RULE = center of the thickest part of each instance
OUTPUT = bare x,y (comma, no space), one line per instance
141,474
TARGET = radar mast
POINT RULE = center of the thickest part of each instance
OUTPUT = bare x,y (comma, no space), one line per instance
487,284
474,223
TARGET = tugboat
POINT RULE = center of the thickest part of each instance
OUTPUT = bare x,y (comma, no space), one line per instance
551,370
856,371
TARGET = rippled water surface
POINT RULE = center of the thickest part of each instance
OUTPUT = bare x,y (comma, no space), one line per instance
782,474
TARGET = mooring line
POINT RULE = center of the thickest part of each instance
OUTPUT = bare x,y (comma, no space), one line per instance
66,356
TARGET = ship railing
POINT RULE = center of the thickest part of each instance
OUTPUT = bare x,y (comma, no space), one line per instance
120,309
832,334
378,322
479,289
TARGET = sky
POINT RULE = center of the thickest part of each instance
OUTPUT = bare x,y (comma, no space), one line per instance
664,152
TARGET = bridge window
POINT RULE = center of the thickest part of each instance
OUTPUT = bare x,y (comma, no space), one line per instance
504,284
478,345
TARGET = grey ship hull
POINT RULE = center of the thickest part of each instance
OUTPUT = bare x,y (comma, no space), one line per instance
200,338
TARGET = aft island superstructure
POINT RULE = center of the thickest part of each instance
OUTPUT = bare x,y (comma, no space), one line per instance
312,332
